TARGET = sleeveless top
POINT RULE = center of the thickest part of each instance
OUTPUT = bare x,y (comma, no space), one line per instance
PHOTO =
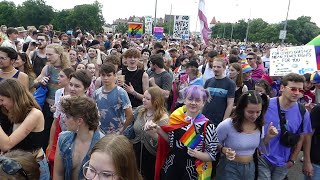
237,94
38,63
15,76
33,141
53,85
4,121
135,78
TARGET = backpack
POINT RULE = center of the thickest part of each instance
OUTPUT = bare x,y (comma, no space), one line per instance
203,68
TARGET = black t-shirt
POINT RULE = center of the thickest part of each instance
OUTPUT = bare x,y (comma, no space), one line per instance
315,144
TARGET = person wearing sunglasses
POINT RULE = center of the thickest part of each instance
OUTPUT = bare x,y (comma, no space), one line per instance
112,157
20,165
258,69
294,120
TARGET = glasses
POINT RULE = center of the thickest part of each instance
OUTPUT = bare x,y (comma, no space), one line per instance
12,167
295,90
249,58
90,173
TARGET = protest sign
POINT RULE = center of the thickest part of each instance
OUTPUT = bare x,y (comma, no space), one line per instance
135,30
181,27
158,32
297,59
148,25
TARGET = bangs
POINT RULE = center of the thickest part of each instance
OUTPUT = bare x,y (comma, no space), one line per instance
195,92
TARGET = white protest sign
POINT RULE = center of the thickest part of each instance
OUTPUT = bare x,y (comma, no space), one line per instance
181,27
148,25
297,59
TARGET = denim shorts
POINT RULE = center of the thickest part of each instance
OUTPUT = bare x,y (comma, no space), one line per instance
44,169
232,170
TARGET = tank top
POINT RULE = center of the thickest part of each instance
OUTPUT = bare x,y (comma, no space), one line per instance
135,78
15,76
53,85
4,121
237,94
38,63
33,141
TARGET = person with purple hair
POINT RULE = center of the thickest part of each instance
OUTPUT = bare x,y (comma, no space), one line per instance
188,145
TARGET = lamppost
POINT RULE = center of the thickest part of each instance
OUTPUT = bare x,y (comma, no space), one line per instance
286,23
155,13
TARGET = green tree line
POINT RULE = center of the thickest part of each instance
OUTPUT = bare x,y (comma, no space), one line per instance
299,31
37,12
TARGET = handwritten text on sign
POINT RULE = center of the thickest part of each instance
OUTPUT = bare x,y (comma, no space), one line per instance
297,59
181,27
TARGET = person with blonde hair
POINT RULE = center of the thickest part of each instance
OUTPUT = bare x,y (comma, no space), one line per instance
57,60
19,164
145,142
112,157
27,122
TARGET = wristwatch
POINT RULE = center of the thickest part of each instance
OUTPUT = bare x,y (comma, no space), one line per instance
293,162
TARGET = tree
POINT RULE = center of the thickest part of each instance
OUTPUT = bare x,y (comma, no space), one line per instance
8,10
35,13
122,28
87,17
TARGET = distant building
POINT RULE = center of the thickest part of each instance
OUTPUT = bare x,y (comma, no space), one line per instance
213,22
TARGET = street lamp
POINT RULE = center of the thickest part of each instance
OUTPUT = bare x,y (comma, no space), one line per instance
286,23
155,13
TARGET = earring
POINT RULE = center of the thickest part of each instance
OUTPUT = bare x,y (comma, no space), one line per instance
78,128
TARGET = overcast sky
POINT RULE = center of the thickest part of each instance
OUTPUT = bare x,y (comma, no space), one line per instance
272,11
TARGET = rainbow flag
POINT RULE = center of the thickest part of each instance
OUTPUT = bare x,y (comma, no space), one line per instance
204,169
190,138
135,30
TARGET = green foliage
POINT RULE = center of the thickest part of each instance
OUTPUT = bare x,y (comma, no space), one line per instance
34,13
299,31
122,28
7,10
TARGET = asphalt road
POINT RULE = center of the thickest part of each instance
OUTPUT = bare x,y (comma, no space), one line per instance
295,173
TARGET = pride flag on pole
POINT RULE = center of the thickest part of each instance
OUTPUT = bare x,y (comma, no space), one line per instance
204,29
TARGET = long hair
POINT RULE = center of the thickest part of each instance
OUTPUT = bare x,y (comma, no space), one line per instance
28,162
22,99
157,102
27,67
249,97
64,57
237,67
120,149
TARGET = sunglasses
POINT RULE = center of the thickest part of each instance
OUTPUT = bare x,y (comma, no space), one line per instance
12,167
295,90
249,58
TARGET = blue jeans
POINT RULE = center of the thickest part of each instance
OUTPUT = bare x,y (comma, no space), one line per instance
44,169
231,170
268,171
316,173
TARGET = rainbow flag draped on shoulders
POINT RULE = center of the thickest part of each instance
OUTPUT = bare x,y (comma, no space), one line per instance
178,119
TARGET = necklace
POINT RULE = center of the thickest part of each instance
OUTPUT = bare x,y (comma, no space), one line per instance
149,115
3,72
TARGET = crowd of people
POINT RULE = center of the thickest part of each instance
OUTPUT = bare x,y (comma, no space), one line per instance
122,108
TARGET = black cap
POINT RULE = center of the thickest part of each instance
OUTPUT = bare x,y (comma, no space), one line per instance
193,64
94,42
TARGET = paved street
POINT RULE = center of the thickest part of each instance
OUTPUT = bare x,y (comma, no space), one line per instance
295,173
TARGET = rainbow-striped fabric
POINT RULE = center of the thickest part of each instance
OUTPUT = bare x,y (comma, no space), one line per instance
204,169
190,138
